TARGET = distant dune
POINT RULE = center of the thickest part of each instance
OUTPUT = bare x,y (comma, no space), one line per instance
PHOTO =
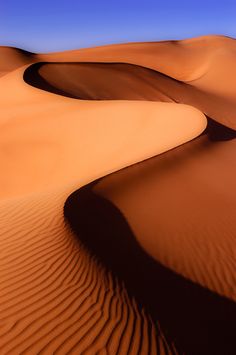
134,261
13,58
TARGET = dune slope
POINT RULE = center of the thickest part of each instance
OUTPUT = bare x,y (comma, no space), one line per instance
144,262
110,81
13,58
69,140
55,297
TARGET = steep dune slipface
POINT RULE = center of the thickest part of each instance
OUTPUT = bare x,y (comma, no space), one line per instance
98,81
55,296
206,64
67,140
174,217
149,267
181,207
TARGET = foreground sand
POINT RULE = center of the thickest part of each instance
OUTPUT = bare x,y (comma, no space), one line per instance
60,291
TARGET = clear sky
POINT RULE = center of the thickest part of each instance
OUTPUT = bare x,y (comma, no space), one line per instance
51,25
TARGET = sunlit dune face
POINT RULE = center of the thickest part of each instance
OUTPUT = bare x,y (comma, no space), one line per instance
27,163
117,199
80,141
120,81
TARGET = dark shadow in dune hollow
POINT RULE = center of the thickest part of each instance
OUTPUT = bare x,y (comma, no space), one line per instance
119,81
32,77
197,320
218,132
72,79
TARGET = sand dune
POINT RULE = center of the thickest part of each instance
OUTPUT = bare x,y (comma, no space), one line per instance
192,57
67,140
13,58
206,63
99,81
178,187
55,297
149,265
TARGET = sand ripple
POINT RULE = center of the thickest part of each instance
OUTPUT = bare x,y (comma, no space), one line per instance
141,260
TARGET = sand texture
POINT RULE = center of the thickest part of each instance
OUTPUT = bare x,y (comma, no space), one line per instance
118,199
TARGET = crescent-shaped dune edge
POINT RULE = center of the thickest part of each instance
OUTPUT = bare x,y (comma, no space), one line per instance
117,201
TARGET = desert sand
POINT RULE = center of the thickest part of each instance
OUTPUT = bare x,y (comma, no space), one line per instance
99,260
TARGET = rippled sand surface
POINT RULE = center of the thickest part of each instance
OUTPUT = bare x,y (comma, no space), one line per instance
117,199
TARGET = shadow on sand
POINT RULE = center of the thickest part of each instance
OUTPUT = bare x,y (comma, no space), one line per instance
85,81
197,320
218,132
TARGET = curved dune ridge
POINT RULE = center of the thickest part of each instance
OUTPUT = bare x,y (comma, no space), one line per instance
54,153
103,81
144,262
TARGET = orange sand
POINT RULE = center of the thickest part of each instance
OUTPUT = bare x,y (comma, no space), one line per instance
57,296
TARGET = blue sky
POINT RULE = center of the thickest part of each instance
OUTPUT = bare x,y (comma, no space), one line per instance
54,25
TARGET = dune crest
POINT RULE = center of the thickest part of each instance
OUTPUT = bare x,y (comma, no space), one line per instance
102,81
99,260
73,136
